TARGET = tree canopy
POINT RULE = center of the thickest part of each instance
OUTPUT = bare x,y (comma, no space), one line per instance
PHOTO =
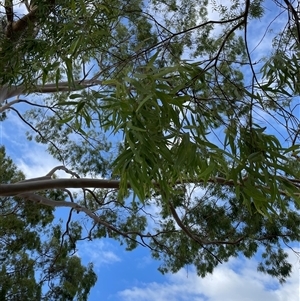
164,104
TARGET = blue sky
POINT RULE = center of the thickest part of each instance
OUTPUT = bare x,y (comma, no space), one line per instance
133,276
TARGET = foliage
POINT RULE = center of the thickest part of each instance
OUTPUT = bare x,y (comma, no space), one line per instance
162,107
38,260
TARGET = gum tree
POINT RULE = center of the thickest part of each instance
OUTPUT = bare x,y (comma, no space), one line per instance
37,257
199,124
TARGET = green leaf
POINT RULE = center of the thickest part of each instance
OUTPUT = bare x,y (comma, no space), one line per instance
73,96
80,106
75,45
149,96
65,120
68,103
69,67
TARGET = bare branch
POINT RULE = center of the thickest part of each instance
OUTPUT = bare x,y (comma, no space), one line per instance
37,185
188,232
11,91
42,183
9,10
9,104
25,20
62,167
45,201
8,92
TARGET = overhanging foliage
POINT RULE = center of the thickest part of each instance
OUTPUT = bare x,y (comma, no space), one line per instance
225,121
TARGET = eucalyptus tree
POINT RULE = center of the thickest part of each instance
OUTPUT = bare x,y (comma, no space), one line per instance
38,260
116,68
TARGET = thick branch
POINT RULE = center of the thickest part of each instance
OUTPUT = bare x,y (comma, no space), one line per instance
30,186
65,86
9,104
8,92
42,183
17,28
9,10
22,23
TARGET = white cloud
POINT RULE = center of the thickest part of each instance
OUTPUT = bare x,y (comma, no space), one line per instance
99,253
36,162
236,280
30,157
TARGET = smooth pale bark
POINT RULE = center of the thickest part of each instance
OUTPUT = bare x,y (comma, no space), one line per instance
43,183
36,185
15,91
